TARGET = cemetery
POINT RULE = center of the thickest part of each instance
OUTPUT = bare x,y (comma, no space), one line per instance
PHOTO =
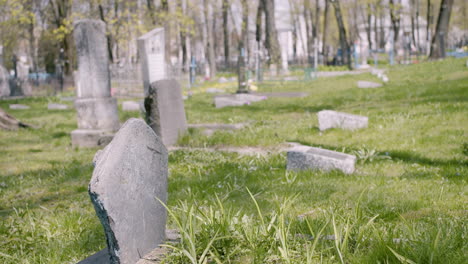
136,152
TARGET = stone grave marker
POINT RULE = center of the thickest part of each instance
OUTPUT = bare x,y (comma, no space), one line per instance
96,109
4,82
367,84
310,158
131,106
129,174
19,107
165,111
237,100
53,106
151,47
332,119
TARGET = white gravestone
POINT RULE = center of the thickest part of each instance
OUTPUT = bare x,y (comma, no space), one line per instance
151,49
332,119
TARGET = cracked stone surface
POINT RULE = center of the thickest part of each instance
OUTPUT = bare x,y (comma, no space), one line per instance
130,173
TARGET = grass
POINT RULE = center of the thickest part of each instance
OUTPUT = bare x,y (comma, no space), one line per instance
406,202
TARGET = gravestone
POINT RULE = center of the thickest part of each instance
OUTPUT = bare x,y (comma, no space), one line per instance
332,119
310,158
53,106
19,107
96,110
4,82
151,48
237,100
131,106
165,111
129,174
367,84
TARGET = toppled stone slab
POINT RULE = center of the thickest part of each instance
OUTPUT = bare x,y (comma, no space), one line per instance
67,99
215,90
53,106
130,106
19,107
331,119
209,129
130,173
284,94
237,100
91,138
367,84
310,158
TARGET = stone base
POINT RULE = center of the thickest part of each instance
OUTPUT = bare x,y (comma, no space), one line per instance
90,138
97,113
331,119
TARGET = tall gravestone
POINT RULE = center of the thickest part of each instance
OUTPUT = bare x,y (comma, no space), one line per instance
96,110
129,174
164,104
153,64
4,82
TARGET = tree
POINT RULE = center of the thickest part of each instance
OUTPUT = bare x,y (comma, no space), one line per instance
440,35
271,35
226,7
242,88
208,11
325,30
344,45
395,18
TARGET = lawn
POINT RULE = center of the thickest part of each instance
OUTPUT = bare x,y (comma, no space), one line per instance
406,202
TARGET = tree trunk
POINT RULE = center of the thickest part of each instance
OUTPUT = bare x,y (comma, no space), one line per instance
325,30
395,18
310,29
441,32
271,35
108,35
369,26
241,70
210,39
167,32
226,7
183,37
345,52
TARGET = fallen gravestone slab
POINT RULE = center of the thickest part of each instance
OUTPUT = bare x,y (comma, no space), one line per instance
209,129
130,173
309,158
52,106
19,107
367,84
284,94
332,119
214,90
129,106
165,112
237,100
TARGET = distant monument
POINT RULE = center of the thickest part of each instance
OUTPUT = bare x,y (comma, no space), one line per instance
96,110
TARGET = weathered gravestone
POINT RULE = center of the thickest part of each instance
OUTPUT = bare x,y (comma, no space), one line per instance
237,100
96,109
19,107
151,49
367,84
165,112
4,82
331,119
53,106
129,174
131,106
309,158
